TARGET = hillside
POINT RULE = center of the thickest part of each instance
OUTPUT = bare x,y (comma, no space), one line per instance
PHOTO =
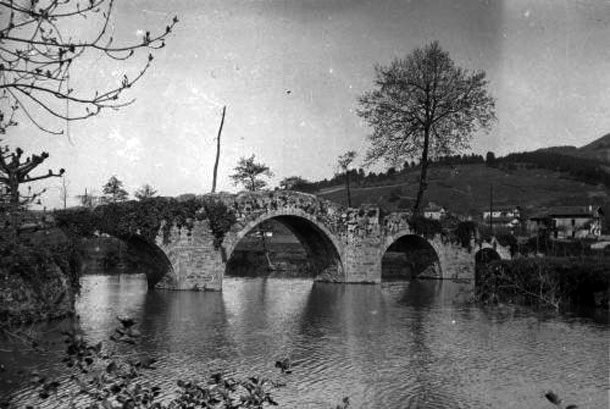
464,189
597,150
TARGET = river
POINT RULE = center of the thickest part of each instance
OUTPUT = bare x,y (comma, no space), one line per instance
417,344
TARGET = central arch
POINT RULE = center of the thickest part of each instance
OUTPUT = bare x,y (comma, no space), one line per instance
323,249
408,256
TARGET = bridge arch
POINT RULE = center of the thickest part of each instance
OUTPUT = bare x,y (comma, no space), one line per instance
407,250
486,255
151,258
322,246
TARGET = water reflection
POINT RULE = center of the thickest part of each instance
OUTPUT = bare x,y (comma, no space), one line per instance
400,344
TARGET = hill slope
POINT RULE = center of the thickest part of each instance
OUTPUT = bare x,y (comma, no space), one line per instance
598,150
465,190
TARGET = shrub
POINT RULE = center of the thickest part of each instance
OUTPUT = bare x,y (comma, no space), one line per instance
425,227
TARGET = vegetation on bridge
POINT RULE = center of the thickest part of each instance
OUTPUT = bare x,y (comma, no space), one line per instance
147,218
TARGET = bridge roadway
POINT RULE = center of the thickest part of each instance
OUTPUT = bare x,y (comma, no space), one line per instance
345,245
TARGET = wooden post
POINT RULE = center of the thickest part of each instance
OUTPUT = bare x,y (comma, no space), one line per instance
222,121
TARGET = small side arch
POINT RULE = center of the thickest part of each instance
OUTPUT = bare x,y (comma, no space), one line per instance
486,255
406,255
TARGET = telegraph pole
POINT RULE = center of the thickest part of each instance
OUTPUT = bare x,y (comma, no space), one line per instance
491,212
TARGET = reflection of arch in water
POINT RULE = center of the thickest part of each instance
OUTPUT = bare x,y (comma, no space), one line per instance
149,258
409,256
319,243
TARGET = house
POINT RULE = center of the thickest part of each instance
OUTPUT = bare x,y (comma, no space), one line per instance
507,216
569,222
507,212
434,211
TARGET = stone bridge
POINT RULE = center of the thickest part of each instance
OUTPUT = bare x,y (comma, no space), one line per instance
344,245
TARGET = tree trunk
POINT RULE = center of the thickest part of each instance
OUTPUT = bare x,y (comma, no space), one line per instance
222,121
423,184
349,197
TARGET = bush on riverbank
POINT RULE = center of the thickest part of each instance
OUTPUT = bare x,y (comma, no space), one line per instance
545,282
38,280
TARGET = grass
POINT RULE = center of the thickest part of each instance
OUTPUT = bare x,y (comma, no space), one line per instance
464,189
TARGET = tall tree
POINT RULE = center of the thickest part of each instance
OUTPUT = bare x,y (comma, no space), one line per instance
38,49
145,192
249,174
424,106
344,161
113,191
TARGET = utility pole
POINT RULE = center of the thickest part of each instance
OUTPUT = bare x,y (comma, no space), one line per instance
491,211
222,121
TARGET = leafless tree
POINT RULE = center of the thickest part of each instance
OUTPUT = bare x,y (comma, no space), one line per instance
15,171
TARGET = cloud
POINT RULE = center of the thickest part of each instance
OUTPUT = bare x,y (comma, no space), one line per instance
128,148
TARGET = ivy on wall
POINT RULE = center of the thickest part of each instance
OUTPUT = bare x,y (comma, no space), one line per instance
147,218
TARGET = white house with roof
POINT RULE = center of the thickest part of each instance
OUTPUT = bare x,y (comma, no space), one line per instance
569,222
434,211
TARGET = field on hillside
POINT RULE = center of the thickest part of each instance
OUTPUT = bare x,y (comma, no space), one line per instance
465,189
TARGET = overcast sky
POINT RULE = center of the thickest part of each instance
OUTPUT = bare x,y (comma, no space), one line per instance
290,73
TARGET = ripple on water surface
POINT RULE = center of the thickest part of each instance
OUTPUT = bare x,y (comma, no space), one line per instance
407,345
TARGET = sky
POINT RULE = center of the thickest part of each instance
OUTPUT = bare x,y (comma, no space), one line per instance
290,73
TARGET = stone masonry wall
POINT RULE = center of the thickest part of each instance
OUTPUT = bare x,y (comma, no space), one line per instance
359,236
196,263
362,245
455,261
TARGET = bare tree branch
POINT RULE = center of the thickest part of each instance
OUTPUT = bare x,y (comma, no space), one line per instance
36,57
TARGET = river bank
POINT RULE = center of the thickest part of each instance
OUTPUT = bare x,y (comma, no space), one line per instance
39,278
553,282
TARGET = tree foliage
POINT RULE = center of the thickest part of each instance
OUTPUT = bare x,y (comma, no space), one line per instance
113,191
145,192
424,106
344,161
297,184
38,51
250,173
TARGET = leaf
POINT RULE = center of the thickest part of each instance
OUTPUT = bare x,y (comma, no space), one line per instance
112,367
